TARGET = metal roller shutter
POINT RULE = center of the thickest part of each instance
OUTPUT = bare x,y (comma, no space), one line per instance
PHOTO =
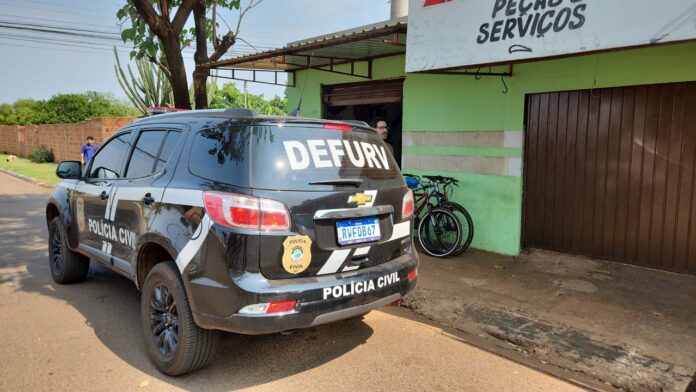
609,173
364,93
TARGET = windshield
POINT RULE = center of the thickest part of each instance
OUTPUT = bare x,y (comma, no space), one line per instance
318,159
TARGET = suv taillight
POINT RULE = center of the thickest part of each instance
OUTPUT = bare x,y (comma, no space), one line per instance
407,205
246,212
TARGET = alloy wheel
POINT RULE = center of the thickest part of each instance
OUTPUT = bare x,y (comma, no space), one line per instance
164,320
56,251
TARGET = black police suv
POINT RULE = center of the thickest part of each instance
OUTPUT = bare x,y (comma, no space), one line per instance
230,221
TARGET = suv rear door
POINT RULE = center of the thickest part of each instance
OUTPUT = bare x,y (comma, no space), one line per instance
329,176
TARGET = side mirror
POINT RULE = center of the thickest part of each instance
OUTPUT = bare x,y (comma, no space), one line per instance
69,170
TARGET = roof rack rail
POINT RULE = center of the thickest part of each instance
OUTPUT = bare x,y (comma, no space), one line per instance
357,122
241,112
201,112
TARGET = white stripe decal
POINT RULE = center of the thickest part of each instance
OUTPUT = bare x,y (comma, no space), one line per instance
132,194
192,247
109,247
337,258
186,197
89,189
96,190
334,262
358,252
103,247
362,251
401,230
109,204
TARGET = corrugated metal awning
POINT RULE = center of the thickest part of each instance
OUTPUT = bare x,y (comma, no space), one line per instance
362,44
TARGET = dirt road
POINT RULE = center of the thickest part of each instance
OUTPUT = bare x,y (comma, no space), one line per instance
87,336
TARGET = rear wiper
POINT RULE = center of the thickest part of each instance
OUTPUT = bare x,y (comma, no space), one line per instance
356,182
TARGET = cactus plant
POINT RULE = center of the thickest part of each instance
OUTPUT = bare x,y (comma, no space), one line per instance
150,88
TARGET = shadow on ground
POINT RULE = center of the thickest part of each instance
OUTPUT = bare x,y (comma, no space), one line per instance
632,327
110,306
692,385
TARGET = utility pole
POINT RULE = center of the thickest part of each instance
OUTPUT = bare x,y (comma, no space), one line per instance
246,100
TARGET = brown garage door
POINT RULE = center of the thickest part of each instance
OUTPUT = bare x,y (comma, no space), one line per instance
609,173
364,93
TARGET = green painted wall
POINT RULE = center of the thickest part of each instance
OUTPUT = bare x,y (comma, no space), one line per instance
461,103
493,202
311,81
449,103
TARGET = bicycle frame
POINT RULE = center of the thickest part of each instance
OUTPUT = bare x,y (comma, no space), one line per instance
423,194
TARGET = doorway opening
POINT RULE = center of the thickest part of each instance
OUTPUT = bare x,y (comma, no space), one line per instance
368,101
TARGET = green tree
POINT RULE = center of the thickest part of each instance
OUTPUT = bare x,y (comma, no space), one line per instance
229,96
21,112
64,108
158,33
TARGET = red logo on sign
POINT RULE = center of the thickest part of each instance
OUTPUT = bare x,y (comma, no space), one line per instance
429,3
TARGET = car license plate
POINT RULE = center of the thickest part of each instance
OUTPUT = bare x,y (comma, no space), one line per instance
358,231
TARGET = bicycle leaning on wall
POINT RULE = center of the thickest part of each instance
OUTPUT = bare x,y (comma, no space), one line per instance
444,227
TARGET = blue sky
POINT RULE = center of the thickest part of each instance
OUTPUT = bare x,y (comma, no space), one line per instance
35,65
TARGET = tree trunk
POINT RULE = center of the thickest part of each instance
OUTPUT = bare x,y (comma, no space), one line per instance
177,71
200,74
200,87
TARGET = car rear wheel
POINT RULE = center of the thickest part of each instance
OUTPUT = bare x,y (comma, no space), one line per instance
66,265
175,344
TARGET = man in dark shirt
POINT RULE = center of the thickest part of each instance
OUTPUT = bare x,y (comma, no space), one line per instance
383,130
88,150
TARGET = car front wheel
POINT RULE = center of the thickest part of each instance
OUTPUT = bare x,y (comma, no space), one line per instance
66,265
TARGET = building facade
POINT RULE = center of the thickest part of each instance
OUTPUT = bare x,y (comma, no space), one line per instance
582,148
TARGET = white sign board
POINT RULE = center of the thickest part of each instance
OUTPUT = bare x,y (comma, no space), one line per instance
457,33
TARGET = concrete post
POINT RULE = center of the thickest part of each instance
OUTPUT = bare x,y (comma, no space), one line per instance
399,8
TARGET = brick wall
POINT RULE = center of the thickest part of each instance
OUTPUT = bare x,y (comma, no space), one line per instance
8,138
64,140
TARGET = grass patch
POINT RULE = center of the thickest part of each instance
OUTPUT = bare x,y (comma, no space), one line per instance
43,172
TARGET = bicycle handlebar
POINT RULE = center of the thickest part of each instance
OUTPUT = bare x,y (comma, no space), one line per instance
442,179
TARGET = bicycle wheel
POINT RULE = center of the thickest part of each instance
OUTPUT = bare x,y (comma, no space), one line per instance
439,233
466,222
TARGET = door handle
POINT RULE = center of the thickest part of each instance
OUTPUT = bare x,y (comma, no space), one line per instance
103,195
148,199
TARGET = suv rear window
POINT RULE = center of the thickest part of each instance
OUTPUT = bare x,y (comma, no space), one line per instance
221,154
292,157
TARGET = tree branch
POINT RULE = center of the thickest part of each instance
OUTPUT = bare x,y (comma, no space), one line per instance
150,16
164,9
227,41
252,4
213,25
182,15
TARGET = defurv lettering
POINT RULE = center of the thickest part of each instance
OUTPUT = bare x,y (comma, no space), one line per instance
362,287
333,153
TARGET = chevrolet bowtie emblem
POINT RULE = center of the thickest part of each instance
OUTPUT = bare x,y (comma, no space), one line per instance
360,199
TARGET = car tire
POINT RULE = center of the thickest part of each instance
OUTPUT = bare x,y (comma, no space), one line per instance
175,344
66,266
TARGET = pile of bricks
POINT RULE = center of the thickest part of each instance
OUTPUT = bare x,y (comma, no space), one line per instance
64,140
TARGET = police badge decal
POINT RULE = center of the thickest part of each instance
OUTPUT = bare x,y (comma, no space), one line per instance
297,254
80,214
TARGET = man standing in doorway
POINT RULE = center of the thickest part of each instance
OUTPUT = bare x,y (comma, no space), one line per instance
383,130
88,150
